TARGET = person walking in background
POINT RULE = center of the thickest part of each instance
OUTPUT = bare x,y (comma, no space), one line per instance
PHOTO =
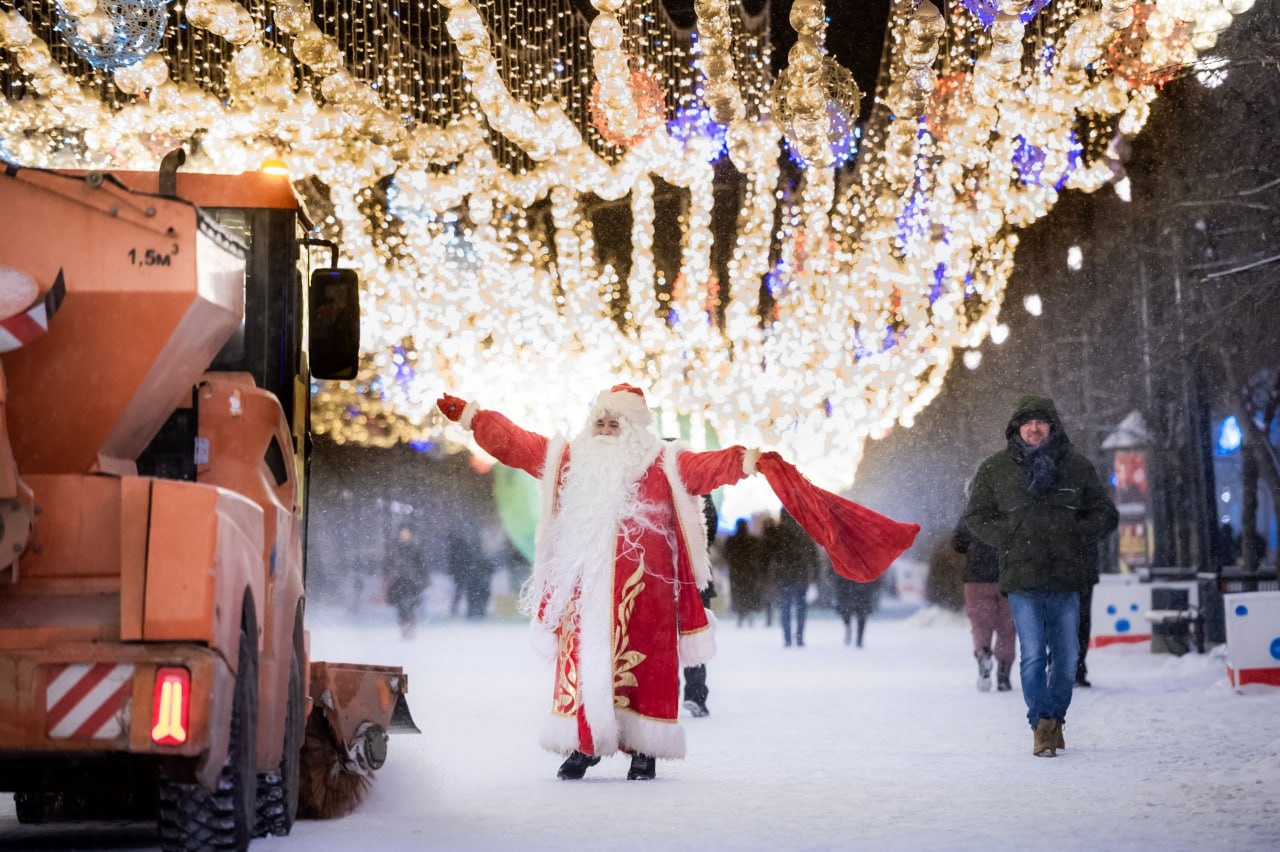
792,562
854,602
457,571
695,677
1039,502
405,577
471,571
987,609
744,558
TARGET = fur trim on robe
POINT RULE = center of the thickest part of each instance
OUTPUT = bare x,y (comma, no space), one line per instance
693,523
700,646
654,737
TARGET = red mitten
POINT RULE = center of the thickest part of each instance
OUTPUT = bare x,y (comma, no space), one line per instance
451,406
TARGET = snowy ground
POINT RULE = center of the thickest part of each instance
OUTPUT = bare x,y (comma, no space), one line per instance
822,747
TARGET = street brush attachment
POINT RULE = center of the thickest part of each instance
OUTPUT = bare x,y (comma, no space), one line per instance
332,782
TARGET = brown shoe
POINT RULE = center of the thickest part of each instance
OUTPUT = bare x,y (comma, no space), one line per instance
1058,741
1044,738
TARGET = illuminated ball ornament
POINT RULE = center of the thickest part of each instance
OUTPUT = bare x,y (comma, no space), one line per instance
807,15
115,33
950,101
96,30
15,32
1152,50
78,8
649,113
835,99
292,17
138,78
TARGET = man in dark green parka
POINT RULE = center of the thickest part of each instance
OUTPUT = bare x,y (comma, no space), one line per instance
1041,504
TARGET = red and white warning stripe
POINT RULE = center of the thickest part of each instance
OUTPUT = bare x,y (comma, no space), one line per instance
88,700
25,326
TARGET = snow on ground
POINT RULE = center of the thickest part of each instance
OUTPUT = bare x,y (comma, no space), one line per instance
825,747
815,748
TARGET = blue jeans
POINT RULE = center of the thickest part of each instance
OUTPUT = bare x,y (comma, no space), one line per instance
1047,623
792,595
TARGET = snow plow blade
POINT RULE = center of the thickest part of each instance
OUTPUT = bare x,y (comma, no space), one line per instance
402,719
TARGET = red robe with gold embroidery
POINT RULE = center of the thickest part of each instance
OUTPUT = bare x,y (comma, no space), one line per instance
618,663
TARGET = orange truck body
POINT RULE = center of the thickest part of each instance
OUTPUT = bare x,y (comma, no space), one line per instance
111,576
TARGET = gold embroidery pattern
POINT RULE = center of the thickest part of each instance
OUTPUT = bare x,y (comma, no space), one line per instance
624,659
566,697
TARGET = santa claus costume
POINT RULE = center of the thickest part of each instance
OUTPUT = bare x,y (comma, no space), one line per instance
621,555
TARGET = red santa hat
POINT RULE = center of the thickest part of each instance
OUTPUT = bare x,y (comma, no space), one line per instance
625,401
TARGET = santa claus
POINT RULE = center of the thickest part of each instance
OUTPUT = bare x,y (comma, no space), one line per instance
620,557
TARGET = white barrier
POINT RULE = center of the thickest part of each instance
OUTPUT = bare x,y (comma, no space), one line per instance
1118,613
1253,637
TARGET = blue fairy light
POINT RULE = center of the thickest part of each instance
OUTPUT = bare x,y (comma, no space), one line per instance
1074,155
987,10
939,276
693,123
913,222
1028,160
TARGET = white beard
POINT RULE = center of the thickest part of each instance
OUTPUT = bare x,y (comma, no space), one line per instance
600,489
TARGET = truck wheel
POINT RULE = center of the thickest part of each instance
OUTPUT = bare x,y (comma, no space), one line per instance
278,789
193,818
31,808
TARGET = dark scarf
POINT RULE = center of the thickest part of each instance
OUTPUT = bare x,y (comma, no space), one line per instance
1041,461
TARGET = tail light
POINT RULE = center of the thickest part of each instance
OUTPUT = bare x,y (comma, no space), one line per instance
171,706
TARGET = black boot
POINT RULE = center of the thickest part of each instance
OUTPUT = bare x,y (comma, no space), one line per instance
643,768
576,765
1002,677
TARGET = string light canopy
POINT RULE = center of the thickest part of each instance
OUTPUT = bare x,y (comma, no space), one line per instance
529,190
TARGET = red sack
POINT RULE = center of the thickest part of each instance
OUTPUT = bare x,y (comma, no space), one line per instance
862,544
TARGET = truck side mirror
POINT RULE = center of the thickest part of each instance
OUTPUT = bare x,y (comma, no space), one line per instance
335,323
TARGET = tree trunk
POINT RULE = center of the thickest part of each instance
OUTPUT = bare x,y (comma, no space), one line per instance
1249,555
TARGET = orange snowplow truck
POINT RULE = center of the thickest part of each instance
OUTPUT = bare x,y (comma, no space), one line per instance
159,336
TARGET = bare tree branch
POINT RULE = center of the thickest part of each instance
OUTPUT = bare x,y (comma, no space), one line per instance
1222,202
1263,262
1263,188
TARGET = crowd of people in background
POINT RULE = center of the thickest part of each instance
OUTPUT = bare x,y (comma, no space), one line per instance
766,561
779,567
417,571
